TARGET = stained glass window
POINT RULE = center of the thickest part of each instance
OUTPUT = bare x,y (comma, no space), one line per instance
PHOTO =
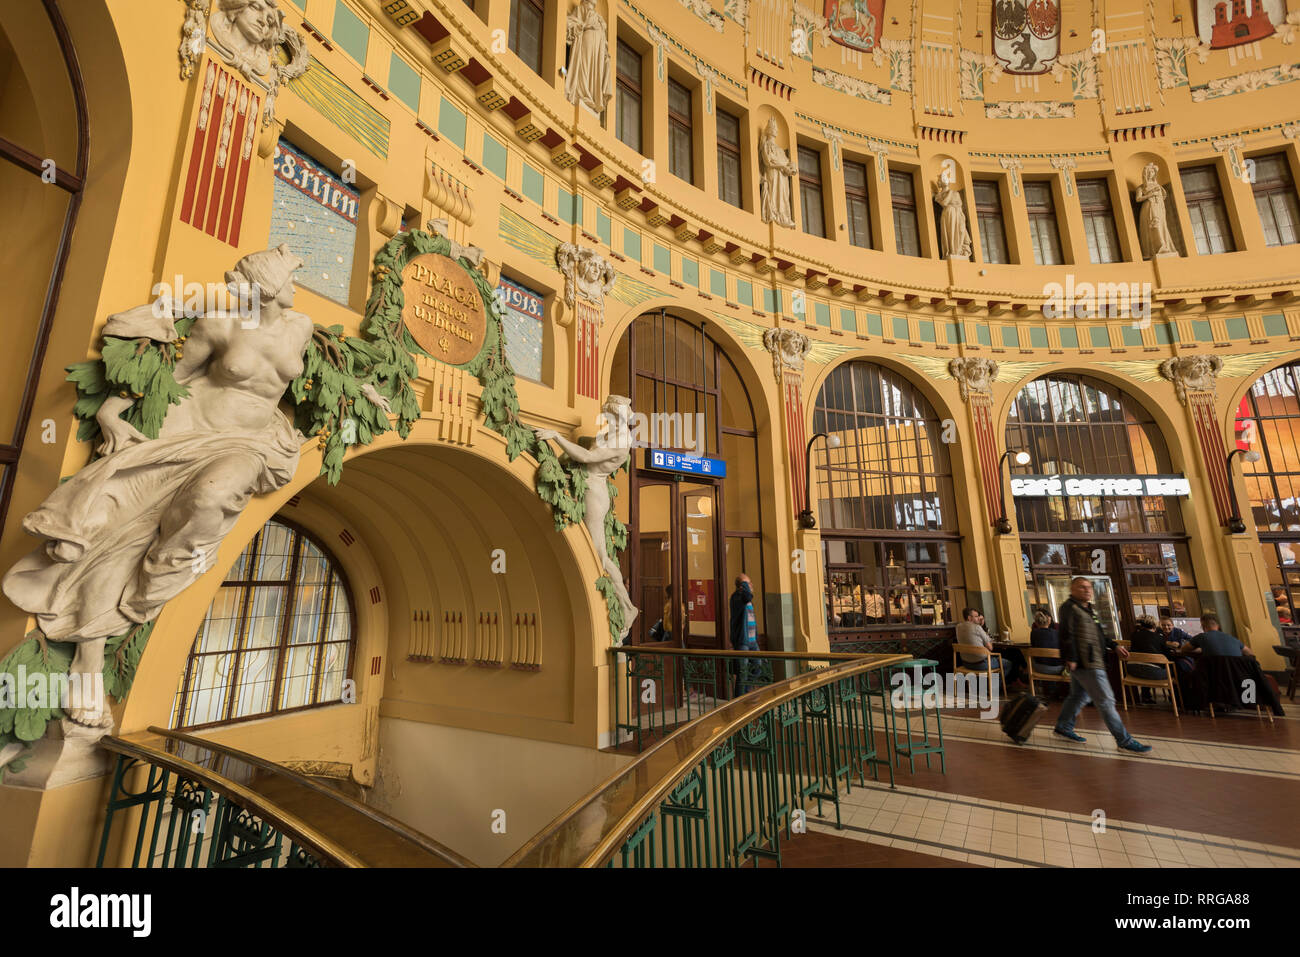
278,637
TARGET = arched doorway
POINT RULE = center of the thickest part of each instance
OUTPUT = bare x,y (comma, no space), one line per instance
1133,547
43,155
889,527
690,535
1268,422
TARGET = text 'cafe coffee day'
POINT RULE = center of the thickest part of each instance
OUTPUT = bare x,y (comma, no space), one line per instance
1038,486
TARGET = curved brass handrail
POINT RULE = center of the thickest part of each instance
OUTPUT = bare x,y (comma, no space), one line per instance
337,830
594,827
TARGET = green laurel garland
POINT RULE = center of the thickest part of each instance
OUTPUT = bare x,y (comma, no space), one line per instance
329,403
562,486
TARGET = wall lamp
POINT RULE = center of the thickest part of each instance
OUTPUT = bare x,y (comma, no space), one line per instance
1235,525
1003,524
806,519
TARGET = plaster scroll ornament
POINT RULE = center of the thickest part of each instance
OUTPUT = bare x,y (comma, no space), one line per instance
474,254
974,376
952,223
587,274
789,350
1153,221
135,527
1191,374
249,36
589,77
607,454
777,169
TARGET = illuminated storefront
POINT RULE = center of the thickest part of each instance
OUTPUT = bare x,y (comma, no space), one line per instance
1098,498
889,528
1269,423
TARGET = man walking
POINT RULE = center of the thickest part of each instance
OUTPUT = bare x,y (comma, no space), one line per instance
1083,646
743,631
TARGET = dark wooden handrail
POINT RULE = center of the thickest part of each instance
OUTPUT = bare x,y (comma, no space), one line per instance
334,828
593,828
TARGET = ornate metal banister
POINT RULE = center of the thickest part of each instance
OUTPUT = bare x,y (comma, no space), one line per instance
225,808
721,785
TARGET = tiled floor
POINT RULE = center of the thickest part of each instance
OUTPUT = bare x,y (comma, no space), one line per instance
975,830
1221,793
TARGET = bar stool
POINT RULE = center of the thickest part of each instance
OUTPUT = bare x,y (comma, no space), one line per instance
910,745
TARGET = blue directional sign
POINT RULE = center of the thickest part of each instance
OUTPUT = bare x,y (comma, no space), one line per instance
687,464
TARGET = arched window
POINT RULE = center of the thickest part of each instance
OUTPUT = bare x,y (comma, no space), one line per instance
44,150
1133,547
889,528
279,636
1268,421
691,533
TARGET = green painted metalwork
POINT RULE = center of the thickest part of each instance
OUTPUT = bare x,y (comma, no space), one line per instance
197,835
907,744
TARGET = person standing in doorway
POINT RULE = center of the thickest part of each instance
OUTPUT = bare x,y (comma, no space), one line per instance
743,632
1084,643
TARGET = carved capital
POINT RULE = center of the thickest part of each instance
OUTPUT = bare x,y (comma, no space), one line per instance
1191,374
258,44
588,276
789,349
974,376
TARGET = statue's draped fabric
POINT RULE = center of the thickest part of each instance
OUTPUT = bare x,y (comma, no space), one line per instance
115,566
776,181
589,79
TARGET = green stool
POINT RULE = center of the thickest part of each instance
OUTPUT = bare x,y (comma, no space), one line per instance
909,744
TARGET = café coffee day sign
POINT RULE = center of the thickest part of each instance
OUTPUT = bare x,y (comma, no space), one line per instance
443,310
1041,486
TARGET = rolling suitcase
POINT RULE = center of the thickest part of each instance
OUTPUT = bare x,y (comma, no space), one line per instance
1019,715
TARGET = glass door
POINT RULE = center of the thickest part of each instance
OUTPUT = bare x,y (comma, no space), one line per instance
658,621
705,622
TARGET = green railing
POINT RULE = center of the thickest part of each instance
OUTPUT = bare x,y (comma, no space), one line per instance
720,789
657,689
182,801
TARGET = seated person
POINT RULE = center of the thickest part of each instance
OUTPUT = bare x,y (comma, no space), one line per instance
971,631
1174,639
1043,635
1146,640
1214,642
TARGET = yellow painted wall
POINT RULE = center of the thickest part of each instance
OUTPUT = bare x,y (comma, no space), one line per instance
425,514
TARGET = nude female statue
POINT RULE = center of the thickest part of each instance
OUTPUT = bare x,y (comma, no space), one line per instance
134,528
601,461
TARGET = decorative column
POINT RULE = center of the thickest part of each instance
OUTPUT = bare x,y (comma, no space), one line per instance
1242,607
975,381
975,378
789,349
587,278
1194,379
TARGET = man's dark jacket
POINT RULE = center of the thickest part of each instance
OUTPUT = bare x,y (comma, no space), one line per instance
738,602
1069,618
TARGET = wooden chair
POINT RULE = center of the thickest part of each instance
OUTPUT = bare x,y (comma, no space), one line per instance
1047,654
1292,656
1167,683
990,667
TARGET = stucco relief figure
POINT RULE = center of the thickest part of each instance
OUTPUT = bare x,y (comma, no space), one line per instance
774,190
589,78
952,223
246,34
605,457
587,274
1191,374
134,528
975,376
789,349
1153,221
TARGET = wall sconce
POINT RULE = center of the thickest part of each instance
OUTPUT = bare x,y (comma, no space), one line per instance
1003,524
805,518
1235,525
